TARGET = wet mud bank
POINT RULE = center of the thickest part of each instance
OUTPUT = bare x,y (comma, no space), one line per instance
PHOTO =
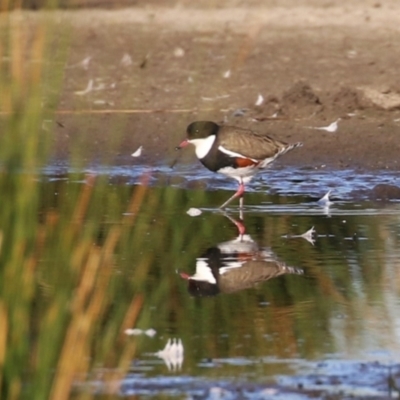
138,76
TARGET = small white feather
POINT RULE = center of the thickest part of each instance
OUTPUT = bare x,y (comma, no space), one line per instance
325,200
309,235
260,100
193,212
138,152
88,89
126,60
134,331
331,128
150,332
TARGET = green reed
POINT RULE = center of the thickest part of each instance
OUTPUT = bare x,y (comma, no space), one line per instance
63,308
57,289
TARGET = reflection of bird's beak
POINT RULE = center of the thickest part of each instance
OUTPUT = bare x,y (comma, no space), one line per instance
183,144
184,275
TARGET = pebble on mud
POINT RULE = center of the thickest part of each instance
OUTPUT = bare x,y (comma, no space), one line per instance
385,192
179,52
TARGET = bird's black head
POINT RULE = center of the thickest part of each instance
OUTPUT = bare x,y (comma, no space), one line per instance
201,129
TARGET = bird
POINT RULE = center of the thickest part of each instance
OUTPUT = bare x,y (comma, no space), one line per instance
234,266
233,151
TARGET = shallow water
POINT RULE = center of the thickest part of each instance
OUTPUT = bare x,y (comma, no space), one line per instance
345,184
270,313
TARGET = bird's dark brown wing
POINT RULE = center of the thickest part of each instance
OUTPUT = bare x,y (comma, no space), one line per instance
248,143
253,272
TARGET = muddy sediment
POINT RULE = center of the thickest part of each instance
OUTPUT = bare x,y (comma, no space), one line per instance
155,67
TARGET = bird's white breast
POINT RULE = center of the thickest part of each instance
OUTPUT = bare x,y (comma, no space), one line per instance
203,272
203,146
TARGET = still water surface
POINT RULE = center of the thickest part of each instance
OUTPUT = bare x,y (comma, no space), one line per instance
251,308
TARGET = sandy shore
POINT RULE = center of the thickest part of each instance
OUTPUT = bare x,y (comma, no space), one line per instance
137,76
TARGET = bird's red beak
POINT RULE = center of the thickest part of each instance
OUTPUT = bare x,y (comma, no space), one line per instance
183,144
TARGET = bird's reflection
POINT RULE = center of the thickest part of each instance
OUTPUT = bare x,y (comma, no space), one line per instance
235,265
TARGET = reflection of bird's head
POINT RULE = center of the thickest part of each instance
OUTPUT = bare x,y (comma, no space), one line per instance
234,266
202,288
204,281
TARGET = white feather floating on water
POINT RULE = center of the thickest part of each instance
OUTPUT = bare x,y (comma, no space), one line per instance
193,212
333,127
136,332
133,332
138,152
309,236
172,354
150,332
325,200
260,100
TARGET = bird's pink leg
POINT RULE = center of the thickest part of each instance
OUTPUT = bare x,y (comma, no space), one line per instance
239,193
239,224
241,212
